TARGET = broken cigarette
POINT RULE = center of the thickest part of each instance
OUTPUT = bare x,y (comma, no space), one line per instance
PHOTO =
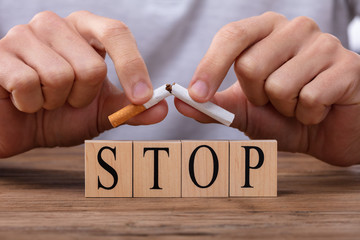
212,110
132,110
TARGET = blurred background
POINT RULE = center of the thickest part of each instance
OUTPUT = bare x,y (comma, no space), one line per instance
354,33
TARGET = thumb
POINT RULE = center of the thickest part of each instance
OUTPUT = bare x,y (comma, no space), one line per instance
111,99
262,122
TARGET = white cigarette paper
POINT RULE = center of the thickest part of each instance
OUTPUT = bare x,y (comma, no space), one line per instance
214,111
209,108
159,94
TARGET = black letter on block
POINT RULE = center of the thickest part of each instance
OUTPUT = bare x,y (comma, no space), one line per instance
156,164
107,167
191,166
247,163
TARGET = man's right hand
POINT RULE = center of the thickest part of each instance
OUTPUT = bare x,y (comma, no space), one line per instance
53,85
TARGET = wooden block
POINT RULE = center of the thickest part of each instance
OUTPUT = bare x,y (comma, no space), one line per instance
205,168
157,168
253,168
108,169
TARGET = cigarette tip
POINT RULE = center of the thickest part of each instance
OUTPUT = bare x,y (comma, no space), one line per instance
169,87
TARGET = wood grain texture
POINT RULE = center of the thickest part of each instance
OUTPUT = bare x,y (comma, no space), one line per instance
257,177
117,155
168,177
203,153
42,197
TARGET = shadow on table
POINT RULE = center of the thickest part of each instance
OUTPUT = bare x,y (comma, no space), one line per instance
42,178
343,180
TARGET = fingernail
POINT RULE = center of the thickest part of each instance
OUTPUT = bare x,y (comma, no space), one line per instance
141,90
200,89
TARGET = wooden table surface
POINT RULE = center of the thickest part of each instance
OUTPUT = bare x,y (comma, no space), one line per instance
42,197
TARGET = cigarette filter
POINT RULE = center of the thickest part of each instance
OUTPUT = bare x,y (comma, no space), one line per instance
221,115
132,110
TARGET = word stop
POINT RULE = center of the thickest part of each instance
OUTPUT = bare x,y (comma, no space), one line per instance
181,168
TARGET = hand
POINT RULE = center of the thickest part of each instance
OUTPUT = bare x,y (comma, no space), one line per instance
295,84
53,85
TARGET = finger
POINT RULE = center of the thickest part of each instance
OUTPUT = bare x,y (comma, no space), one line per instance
22,83
117,40
89,67
56,75
112,99
228,99
257,122
336,85
255,65
152,115
226,46
284,85
192,112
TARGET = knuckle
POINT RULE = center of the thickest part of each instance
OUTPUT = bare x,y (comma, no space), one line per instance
350,62
16,38
17,32
277,90
44,15
45,18
274,15
113,28
22,81
233,31
305,24
309,100
248,68
78,14
327,43
59,77
93,72
47,21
